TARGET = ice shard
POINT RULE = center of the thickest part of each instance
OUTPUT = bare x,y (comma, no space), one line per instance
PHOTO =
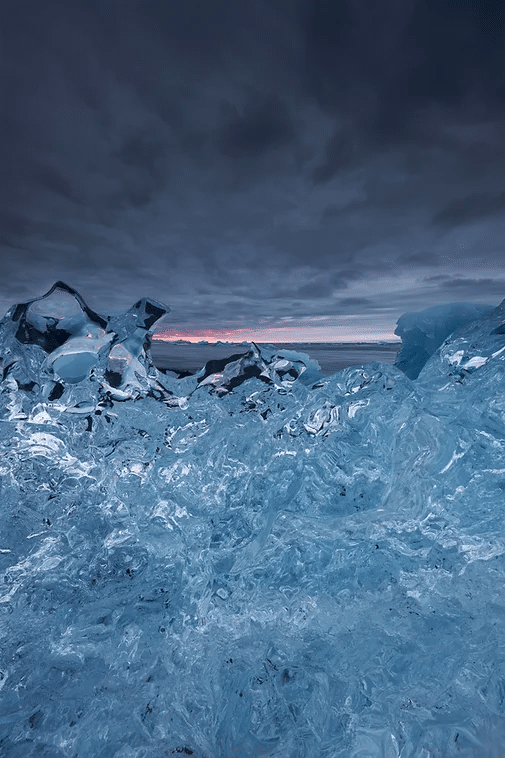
252,561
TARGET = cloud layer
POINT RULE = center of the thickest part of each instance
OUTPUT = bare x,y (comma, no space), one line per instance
243,161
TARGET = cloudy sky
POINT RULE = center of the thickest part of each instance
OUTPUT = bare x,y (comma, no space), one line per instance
309,168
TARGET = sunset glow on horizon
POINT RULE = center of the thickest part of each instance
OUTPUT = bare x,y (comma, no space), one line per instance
363,330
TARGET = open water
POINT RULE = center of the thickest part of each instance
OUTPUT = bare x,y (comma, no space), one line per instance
332,357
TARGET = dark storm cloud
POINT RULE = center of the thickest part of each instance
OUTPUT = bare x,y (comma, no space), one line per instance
468,287
484,284
345,150
471,208
262,127
12,227
422,259
239,160
335,212
315,290
53,180
377,67
354,301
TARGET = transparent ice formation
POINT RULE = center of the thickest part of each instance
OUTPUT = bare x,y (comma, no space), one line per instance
247,562
423,332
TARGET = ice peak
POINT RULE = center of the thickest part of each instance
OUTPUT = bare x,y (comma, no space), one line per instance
143,315
59,339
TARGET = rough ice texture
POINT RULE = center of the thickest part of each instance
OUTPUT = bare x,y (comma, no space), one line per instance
423,332
241,564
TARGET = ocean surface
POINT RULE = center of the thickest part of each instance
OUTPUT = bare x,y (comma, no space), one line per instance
331,356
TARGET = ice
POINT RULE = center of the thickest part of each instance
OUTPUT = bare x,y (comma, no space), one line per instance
252,561
55,341
423,332
270,365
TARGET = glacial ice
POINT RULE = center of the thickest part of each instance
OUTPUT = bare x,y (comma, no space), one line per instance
246,562
423,332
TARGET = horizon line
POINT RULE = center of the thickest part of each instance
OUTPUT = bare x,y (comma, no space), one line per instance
157,338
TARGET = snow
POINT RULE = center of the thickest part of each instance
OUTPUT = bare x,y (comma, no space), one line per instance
423,332
245,562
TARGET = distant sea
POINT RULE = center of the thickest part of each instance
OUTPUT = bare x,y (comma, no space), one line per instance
331,356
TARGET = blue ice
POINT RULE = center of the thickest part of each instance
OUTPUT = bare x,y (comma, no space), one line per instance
252,561
422,332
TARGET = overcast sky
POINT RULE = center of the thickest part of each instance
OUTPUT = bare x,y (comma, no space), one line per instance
317,165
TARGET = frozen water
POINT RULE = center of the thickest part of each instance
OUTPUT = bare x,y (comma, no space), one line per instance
252,561
423,332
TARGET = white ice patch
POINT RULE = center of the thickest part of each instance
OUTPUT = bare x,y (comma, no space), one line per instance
476,362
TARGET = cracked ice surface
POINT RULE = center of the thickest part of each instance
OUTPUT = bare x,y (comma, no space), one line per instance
254,561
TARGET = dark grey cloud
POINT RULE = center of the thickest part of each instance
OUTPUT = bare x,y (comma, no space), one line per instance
469,287
381,65
244,160
354,302
422,259
262,127
470,208
460,283
345,150
315,290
